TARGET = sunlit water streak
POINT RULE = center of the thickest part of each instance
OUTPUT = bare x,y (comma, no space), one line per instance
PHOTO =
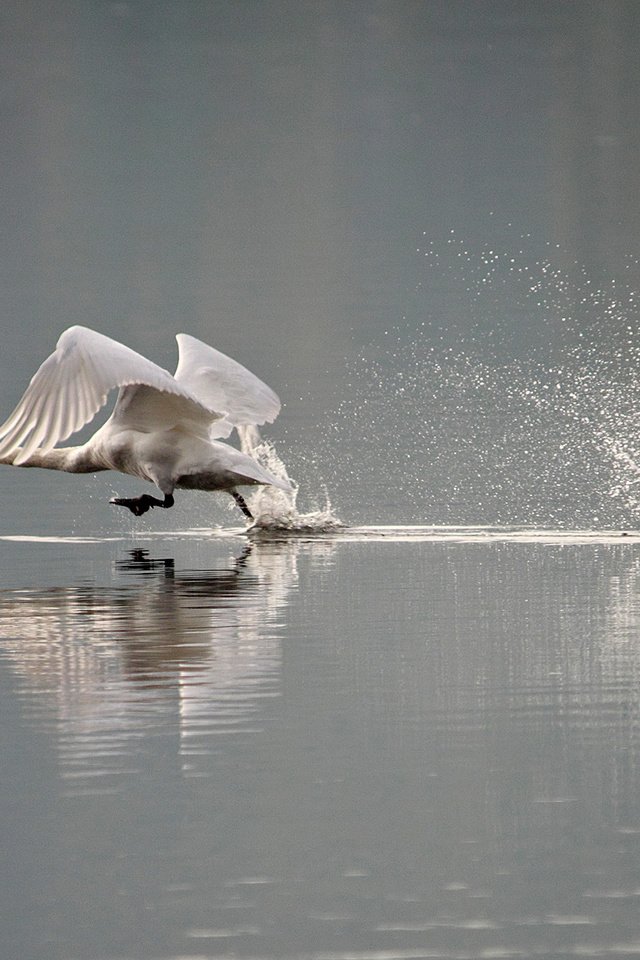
391,533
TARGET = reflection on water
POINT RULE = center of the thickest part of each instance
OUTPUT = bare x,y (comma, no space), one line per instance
192,644
356,748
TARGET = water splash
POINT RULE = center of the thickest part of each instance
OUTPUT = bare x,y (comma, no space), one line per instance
516,405
276,510
626,473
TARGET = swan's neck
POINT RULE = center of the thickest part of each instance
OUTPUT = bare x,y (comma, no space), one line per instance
70,459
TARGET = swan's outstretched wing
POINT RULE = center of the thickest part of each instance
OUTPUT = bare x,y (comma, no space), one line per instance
223,384
71,386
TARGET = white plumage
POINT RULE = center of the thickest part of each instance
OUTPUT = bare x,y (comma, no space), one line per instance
163,428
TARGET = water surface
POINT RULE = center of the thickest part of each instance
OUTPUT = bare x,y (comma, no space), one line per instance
390,743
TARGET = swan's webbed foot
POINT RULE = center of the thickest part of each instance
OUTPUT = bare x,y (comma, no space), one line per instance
241,503
140,505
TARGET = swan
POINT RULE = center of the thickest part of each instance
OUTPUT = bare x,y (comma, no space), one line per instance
163,428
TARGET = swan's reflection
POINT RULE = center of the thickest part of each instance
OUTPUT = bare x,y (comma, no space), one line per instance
197,649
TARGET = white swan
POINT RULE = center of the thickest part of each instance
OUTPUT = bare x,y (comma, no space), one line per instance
163,428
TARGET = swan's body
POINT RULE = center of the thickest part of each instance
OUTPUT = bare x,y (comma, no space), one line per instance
163,428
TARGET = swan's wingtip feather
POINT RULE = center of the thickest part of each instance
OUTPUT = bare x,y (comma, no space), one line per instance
21,457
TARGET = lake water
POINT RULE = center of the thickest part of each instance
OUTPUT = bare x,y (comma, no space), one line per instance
388,743
415,736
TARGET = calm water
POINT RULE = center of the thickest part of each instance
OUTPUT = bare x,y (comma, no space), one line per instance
419,222
400,744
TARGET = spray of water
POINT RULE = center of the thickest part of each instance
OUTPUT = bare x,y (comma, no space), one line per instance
276,510
519,404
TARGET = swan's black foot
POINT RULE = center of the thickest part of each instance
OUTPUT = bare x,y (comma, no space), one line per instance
241,503
140,505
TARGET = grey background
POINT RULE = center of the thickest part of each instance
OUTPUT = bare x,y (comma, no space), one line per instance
339,195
